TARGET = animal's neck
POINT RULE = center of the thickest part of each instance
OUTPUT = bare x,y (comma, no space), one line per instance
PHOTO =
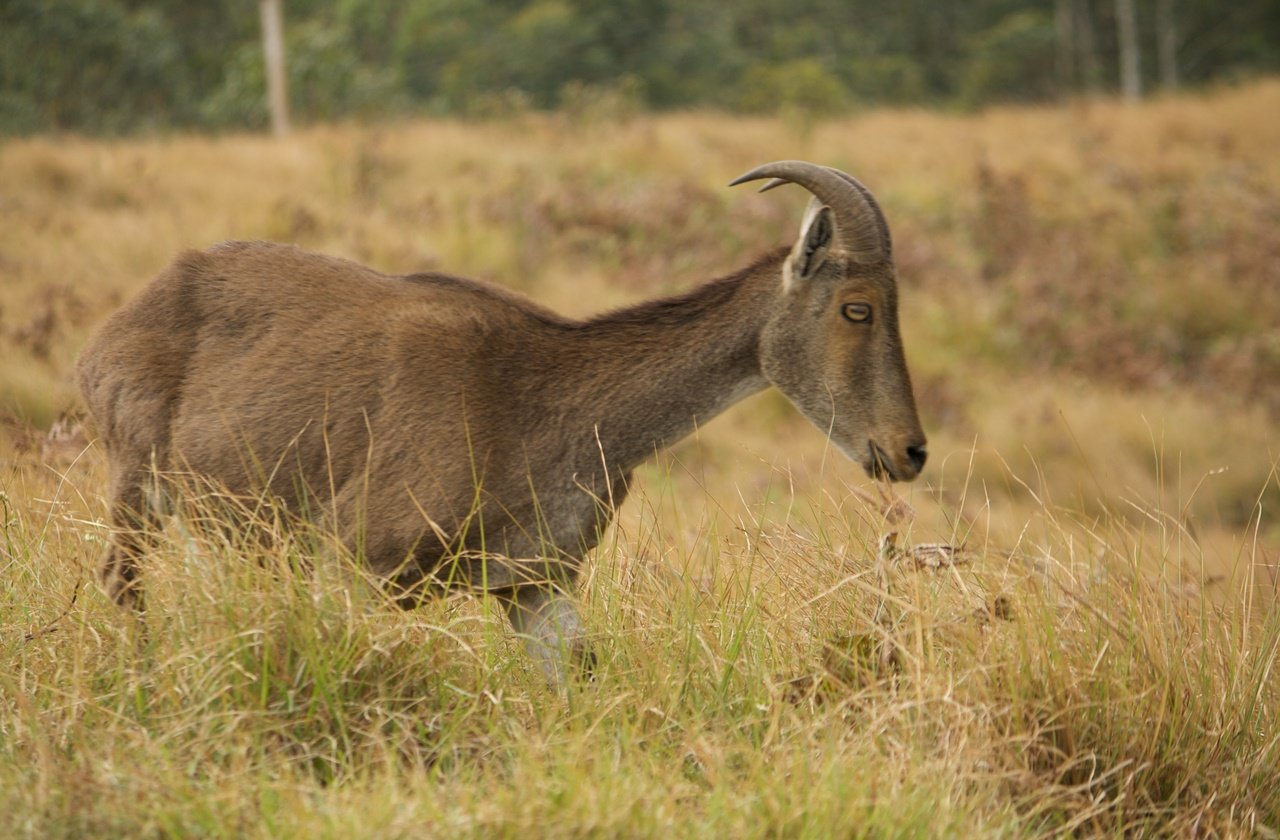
658,370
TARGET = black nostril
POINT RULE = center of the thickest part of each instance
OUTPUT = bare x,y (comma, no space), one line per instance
918,455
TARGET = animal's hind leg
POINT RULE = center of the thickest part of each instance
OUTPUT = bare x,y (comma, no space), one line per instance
547,619
133,520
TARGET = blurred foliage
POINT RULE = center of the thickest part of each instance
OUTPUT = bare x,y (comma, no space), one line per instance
116,66
1012,60
88,64
328,80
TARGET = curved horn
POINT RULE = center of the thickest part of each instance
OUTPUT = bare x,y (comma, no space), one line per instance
862,228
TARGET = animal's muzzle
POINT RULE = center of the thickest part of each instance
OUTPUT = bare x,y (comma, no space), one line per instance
917,455
881,465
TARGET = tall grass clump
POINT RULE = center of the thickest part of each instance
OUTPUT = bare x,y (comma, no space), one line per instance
800,671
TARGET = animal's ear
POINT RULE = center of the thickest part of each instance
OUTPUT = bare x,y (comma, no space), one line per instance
817,235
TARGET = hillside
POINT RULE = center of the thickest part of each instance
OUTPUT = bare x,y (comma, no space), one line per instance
1091,310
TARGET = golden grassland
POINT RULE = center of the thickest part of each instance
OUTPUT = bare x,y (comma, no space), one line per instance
1091,307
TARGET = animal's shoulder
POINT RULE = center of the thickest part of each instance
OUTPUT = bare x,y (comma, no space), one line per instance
282,265
276,268
480,298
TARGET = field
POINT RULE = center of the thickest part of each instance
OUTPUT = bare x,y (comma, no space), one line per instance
1091,308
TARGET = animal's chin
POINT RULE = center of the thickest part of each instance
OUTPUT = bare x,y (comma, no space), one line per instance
873,460
878,465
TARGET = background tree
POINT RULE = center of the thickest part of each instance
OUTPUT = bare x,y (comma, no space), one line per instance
273,53
110,66
1130,57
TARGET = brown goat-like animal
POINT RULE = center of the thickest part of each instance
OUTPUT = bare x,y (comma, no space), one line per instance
453,430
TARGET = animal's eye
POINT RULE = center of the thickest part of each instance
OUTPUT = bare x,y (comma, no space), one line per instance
857,312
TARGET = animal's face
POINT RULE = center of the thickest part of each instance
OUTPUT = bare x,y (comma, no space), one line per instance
833,348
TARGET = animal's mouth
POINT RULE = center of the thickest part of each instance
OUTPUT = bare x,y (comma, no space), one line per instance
879,464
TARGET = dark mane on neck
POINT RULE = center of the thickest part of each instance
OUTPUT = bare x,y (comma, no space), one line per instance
686,306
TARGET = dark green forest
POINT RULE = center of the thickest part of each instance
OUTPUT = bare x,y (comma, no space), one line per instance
121,66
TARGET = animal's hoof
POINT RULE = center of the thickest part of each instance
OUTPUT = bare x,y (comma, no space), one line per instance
587,665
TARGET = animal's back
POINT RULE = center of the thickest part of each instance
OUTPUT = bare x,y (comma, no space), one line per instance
260,364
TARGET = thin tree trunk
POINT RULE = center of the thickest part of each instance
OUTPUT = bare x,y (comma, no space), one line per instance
273,50
1130,60
1167,44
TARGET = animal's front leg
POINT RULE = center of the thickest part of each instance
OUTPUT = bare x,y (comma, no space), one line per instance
547,620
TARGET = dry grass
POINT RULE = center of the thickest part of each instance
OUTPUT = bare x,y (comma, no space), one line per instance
1091,311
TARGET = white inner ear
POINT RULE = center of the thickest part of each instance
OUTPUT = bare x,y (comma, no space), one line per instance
806,251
